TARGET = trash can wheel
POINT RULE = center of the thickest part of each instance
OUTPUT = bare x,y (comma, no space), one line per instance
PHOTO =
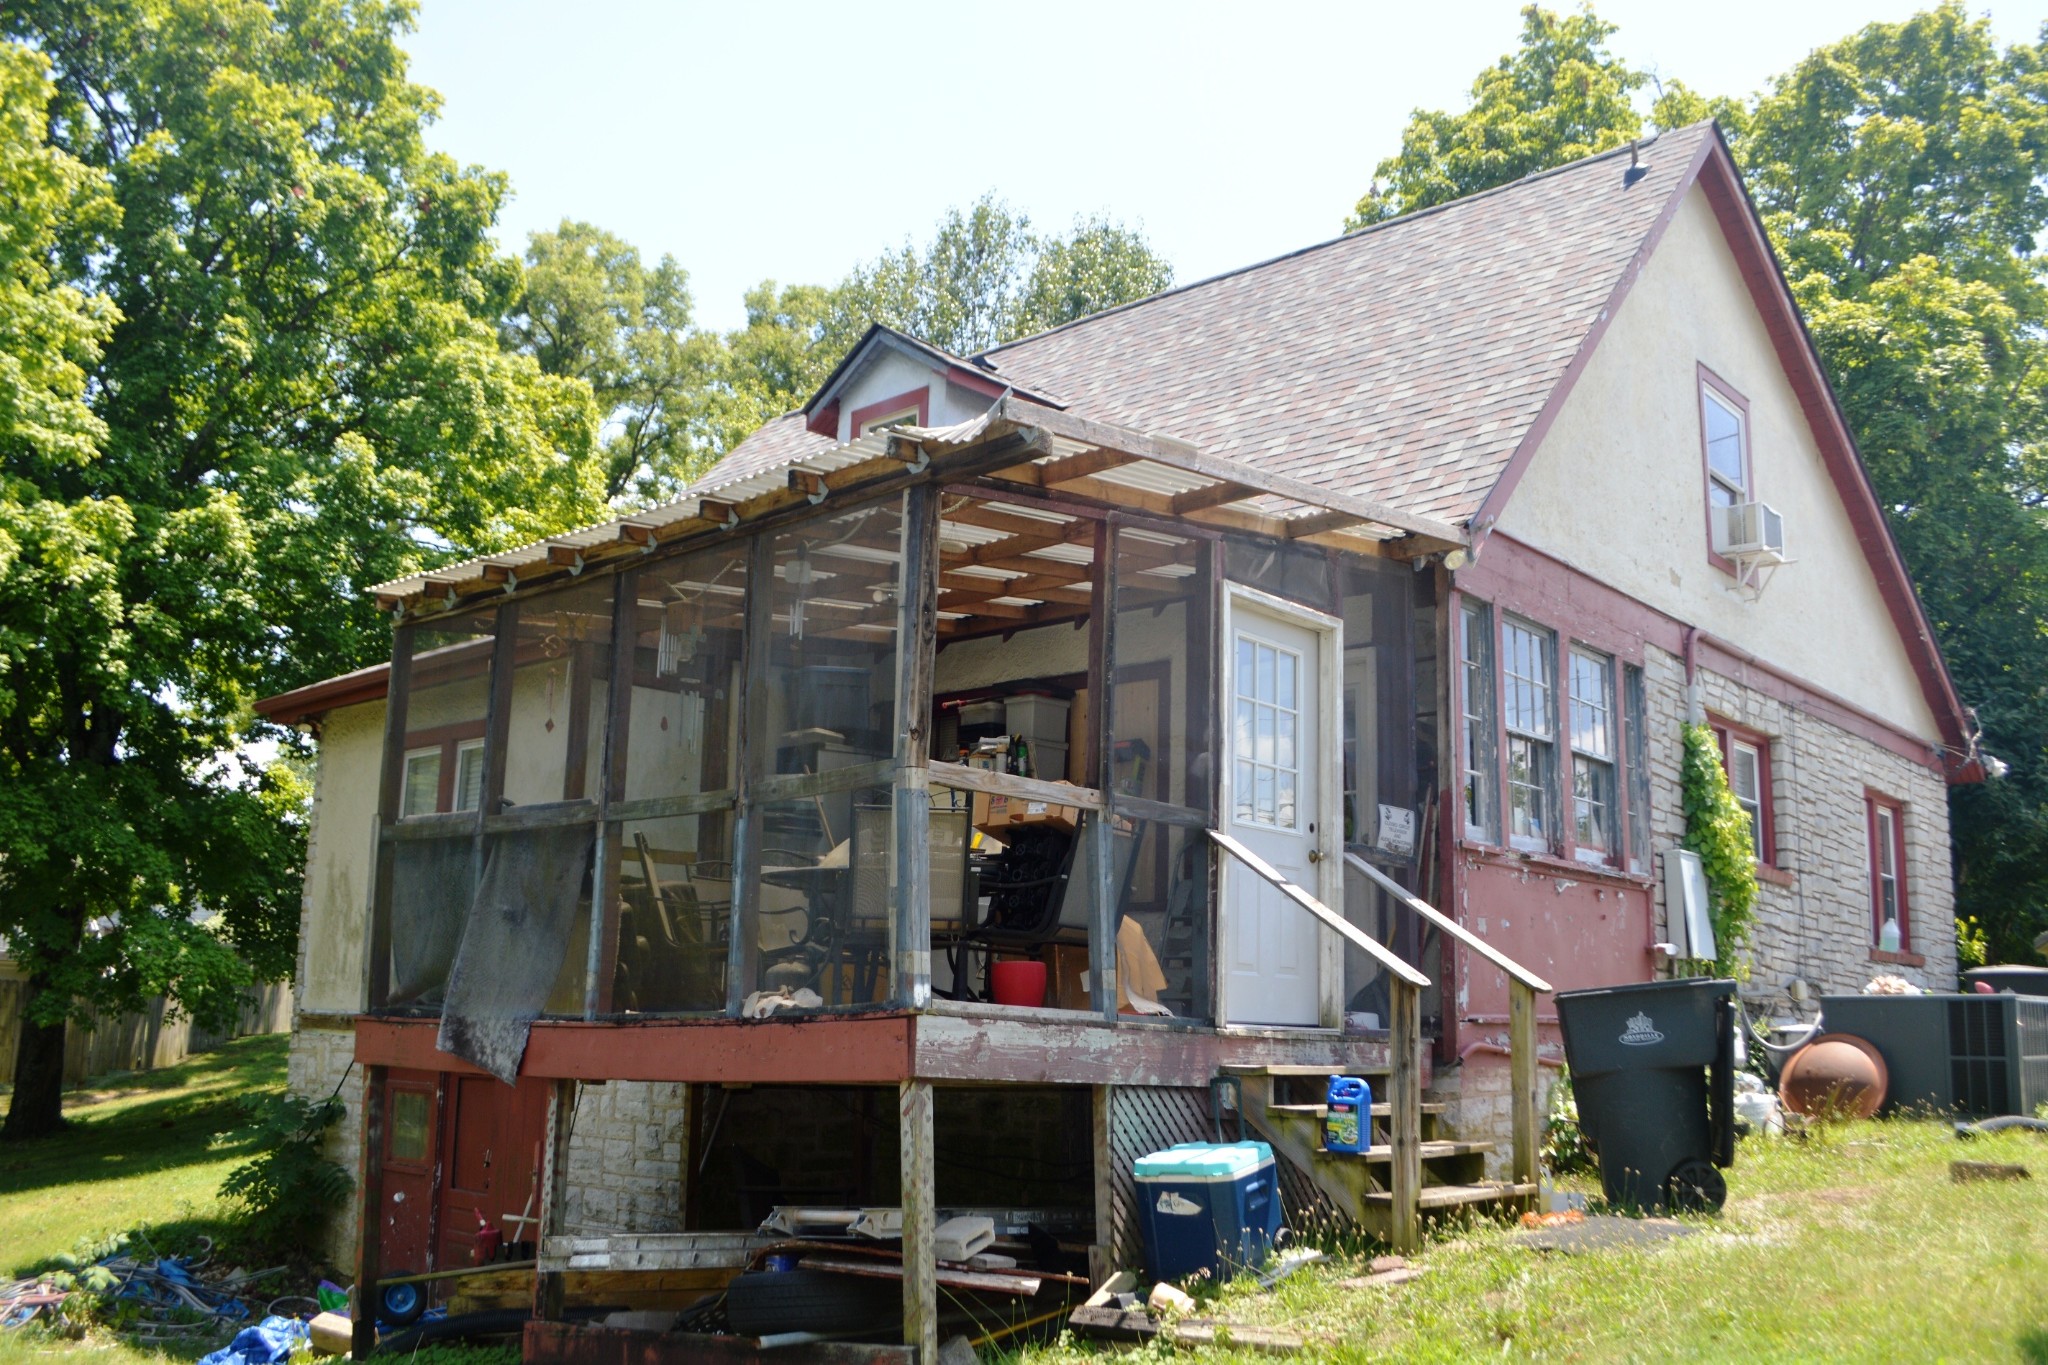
401,1304
1695,1187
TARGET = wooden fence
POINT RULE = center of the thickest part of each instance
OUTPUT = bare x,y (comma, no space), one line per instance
142,1040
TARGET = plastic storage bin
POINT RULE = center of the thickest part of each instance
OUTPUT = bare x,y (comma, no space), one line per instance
1207,1206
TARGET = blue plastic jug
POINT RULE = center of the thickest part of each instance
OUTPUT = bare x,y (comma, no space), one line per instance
1347,1125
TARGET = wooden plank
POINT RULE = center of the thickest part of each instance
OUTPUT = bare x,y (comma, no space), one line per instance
562,1343
868,1048
1404,1179
796,786
1053,473
1522,1077
1215,495
947,1277
960,777
1515,970
1114,1324
1400,970
1180,455
917,1148
550,1291
370,1209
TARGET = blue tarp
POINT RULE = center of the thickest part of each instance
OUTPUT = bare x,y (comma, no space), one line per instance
268,1341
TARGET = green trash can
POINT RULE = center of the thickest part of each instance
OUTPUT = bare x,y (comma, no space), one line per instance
1653,1068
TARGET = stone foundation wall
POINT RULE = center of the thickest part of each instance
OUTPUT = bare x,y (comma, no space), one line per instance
318,1062
1813,918
626,1157
1478,1092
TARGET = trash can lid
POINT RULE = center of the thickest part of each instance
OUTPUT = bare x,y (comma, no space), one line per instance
1205,1159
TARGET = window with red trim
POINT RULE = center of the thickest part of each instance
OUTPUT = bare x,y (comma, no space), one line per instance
444,770
1888,900
1725,456
1746,755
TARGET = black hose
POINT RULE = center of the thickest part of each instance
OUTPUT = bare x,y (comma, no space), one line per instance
2000,1124
494,1322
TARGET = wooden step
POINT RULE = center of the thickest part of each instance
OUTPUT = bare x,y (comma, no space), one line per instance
1384,1152
1457,1196
1317,1111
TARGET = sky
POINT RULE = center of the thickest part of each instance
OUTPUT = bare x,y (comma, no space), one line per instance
789,141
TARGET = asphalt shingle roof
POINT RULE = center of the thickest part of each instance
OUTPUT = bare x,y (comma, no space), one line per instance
1405,362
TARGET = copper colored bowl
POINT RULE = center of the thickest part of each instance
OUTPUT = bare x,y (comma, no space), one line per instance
1836,1074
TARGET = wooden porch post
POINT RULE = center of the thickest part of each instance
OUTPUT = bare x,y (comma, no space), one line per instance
369,1217
1522,1077
548,1287
916,652
919,1175
1404,1125
1102,1251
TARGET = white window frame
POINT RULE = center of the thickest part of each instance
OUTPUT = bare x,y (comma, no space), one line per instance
1535,730
1601,766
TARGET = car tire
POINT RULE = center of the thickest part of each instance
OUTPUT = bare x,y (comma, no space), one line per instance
771,1301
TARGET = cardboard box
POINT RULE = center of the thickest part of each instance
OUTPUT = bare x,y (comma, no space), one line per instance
1051,814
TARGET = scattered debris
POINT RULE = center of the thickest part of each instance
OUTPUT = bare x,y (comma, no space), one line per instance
1166,1299
1109,1323
1557,1218
272,1339
164,1298
1963,1172
1383,1272
1289,1262
1601,1232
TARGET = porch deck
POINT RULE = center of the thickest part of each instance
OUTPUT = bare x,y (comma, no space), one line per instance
948,1043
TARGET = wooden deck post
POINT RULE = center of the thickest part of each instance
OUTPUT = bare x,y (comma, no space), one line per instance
548,1288
919,1175
1404,1124
369,1217
1102,1250
1522,1077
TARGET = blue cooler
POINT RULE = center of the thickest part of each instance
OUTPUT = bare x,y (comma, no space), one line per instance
1210,1206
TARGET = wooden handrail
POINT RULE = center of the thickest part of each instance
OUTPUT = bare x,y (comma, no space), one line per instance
1357,937
1448,925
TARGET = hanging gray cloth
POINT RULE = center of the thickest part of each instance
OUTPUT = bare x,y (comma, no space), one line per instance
512,951
433,882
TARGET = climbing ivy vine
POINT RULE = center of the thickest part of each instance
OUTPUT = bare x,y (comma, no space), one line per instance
1717,829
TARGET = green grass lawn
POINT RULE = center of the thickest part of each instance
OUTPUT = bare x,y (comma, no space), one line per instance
142,1151
1853,1245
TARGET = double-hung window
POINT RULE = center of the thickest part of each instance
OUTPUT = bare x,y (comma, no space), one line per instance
1747,757
443,777
1529,707
1887,828
1481,772
1595,804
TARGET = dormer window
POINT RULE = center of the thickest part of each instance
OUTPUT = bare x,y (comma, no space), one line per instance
902,410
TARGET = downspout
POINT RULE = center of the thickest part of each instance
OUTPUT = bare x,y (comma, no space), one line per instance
1695,708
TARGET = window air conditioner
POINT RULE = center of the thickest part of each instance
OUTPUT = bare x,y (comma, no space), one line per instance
1752,531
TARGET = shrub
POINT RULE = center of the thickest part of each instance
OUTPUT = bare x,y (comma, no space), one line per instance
1564,1142
289,1188
1717,829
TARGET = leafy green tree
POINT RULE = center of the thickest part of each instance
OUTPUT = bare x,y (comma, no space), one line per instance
1901,173
1559,96
590,308
260,321
1098,265
985,278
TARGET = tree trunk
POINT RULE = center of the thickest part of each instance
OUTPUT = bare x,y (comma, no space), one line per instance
37,1107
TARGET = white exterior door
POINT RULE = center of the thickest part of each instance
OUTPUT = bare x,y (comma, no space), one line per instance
1276,788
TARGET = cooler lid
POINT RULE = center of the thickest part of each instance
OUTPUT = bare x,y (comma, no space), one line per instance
1205,1160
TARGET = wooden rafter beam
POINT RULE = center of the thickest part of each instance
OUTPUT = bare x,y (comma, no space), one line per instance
1215,495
